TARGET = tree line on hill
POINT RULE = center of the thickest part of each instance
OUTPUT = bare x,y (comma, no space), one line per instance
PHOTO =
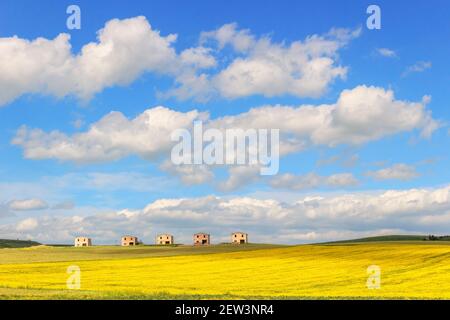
432,237
5,243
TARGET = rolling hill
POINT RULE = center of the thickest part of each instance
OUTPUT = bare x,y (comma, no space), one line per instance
5,243
393,238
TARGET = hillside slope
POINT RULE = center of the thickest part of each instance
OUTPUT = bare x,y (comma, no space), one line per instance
389,238
5,243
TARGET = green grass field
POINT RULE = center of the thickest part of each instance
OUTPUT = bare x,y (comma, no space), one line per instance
60,254
409,270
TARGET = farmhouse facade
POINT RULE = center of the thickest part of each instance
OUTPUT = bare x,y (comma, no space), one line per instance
239,238
83,242
129,241
199,239
164,239
202,239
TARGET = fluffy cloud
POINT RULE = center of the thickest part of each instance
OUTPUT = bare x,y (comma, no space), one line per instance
199,57
399,171
228,34
123,51
301,69
263,67
311,218
360,115
126,49
111,138
370,113
27,204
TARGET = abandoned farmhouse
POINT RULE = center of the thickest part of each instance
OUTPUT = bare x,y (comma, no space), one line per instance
239,238
83,242
202,239
129,241
164,239
199,239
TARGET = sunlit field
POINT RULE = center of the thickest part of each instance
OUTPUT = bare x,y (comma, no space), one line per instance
409,270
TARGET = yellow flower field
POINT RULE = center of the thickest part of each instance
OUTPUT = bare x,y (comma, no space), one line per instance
408,270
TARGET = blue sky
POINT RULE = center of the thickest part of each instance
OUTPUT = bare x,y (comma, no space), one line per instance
42,188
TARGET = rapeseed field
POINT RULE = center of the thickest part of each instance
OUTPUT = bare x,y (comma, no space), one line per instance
408,270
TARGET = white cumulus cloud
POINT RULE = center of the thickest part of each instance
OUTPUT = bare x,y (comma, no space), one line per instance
305,219
27,204
111,138
360,115
263,67
123,51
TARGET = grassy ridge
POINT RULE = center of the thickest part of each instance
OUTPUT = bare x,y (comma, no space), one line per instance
393,238
383,239
56,254
5,243
408,270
